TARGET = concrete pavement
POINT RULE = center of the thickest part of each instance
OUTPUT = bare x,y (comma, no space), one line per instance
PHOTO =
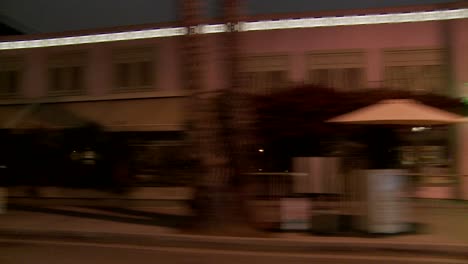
445,232
51,252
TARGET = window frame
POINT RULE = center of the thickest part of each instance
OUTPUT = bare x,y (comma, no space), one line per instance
264,64
14,63
134,57
415,58
64,62
330,60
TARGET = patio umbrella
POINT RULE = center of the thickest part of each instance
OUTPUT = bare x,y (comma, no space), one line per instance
389,112
398,112
393,112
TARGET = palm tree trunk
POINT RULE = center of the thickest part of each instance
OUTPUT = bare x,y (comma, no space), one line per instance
214,131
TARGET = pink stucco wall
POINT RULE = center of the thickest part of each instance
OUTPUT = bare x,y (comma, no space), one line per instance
212,63
371,39
98,72
344,37
34,80
98,77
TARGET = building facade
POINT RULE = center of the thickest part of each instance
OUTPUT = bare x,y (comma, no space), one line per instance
132,80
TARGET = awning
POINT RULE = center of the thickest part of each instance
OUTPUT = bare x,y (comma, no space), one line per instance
155,114
9,115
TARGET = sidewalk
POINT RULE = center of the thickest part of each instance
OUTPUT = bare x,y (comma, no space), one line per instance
446,230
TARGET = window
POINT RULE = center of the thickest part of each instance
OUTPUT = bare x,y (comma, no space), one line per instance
66,79
342,79
266,82
134,70
10,76
67,73
338,70
9,82
415,70
263,74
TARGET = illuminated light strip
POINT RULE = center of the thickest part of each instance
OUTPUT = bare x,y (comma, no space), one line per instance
243,26
355,20
217,28
88,39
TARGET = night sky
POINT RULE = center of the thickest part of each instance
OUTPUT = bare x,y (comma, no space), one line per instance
35,16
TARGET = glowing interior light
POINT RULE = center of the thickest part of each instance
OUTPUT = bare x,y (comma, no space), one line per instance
419,129
131,35
355,20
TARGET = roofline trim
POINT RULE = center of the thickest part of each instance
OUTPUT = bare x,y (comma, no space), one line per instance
423,16
390,18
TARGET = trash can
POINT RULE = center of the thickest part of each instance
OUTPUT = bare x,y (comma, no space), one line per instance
383,207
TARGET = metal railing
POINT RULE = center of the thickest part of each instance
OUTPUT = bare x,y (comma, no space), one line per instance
431,190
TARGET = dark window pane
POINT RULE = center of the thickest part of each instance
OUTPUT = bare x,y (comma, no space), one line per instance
55,79
247,81
3,82
13,82
77,78
322,77
123,75
353,79
146,73
9,82
278,80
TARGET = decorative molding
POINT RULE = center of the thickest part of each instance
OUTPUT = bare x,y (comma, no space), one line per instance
262,63
336,59
413,57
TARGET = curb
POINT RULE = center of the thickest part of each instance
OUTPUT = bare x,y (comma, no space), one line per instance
345,245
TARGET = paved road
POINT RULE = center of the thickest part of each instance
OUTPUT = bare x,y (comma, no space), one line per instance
55,252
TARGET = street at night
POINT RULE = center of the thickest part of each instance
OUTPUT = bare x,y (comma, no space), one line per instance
14,252
233,131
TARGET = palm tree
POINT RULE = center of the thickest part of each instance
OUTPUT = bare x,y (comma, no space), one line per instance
215,130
